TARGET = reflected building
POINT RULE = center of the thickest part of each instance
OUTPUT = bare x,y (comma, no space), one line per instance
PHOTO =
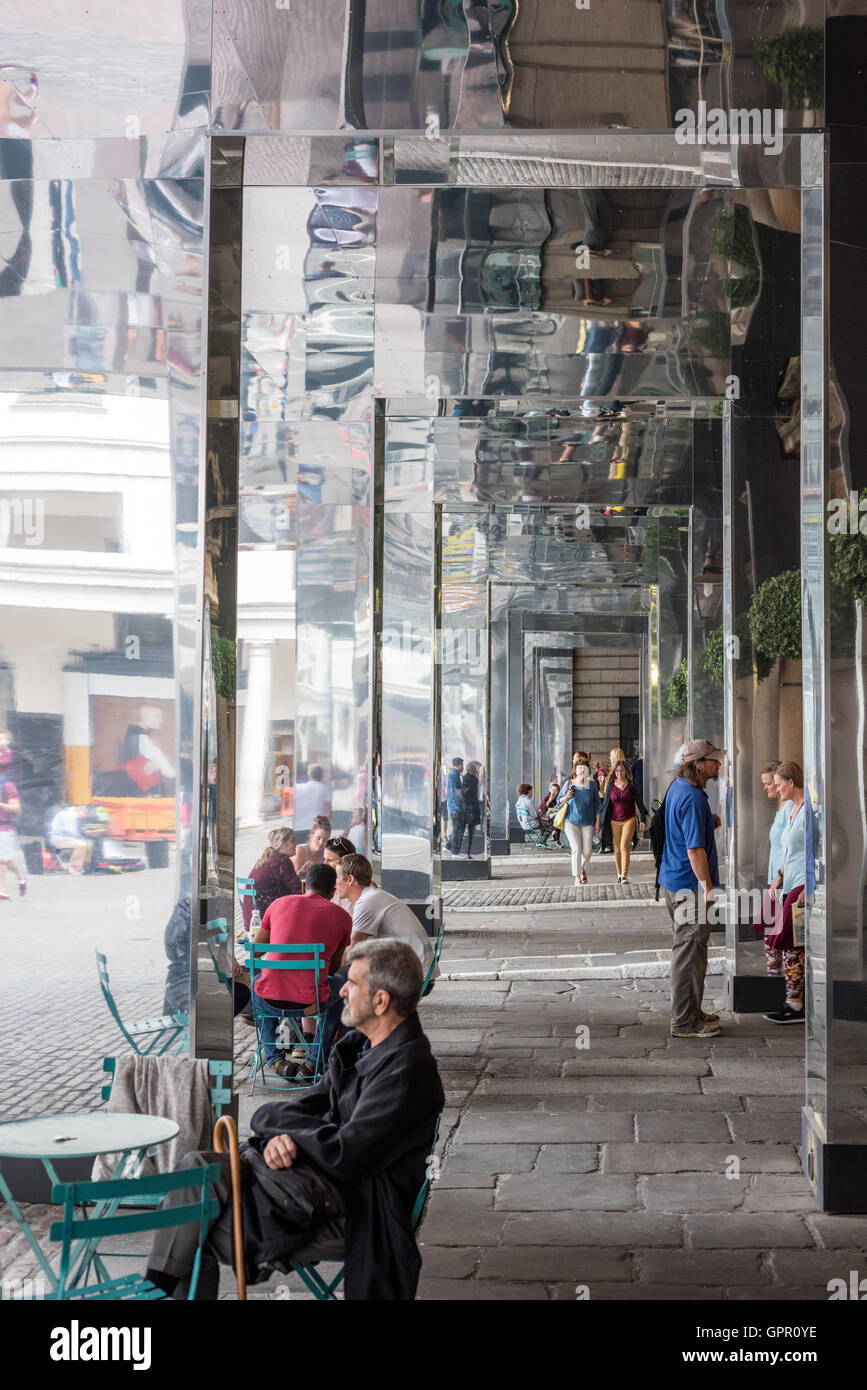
376,378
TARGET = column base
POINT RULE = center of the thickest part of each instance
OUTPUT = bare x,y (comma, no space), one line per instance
753,994
429,913
454,870
516,835
837,1173
500,847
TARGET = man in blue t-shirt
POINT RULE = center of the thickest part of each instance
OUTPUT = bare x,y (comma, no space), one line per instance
688,873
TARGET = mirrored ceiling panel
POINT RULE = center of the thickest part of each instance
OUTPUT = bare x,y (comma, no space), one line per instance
635,454
319,65
556,292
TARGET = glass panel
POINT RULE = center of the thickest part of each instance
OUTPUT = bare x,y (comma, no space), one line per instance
100,573
464,663
819,754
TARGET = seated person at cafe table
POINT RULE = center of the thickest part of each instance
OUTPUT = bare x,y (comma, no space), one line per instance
344,1160
378,913
304,919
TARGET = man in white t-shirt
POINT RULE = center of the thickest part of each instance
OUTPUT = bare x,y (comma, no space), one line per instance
311,798
377,913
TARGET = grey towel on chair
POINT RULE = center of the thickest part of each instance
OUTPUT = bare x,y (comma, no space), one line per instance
174,1087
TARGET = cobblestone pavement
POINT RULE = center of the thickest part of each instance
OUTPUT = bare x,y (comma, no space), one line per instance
470,895
613,1159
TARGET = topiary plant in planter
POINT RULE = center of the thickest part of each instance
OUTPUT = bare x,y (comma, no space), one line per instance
673,696
734,239
714,653
223,661
795,60
848,557
775,618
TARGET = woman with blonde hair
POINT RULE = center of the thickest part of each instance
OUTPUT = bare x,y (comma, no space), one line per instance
273,873
794,878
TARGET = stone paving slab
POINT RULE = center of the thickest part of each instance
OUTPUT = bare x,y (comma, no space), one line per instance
591,1228
699,1158
774,1230
565,1193
578,1264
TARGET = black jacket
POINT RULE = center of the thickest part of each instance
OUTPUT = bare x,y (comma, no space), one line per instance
472,805
605,813
368,1128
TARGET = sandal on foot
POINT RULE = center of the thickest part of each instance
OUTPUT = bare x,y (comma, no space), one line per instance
283,1067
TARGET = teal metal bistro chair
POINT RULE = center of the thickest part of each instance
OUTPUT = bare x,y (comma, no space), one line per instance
325,1290
217,933
534,835
160,1033
438,948
246,889
295,957
220,1093
129,1191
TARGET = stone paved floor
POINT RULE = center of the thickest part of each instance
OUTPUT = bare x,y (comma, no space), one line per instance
585,1149
582,1147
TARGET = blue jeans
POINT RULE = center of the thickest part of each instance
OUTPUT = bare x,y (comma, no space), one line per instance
327,1028
270,1011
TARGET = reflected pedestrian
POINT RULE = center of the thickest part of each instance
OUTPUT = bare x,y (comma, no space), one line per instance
472,803
791,882
455,804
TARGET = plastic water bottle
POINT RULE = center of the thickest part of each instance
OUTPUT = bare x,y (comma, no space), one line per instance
255,924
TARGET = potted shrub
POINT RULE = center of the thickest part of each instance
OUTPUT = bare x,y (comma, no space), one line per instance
795,61
775,630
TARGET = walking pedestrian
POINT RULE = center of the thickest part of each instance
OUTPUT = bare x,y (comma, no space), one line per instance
688,874
472,803
582,801
621,808
792,880
455,804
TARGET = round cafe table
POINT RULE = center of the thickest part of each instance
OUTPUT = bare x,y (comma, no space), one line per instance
49,1137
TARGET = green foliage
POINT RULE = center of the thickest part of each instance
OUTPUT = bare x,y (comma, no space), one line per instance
734,239
673,696
713,334
795,60
714,653
223,660
848,562
775,617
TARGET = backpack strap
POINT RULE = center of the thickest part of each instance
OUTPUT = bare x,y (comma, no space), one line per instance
662,812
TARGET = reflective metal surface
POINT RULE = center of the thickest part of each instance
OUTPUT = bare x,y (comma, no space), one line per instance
318,65
509,293
100,553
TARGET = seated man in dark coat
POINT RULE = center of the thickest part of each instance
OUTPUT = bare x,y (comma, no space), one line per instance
345,1158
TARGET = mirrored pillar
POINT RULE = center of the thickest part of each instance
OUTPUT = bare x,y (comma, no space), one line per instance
464,684
833,479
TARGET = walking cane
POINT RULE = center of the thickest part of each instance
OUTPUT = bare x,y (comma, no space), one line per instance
227,1125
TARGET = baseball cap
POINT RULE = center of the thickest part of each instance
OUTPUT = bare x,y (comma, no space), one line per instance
699,748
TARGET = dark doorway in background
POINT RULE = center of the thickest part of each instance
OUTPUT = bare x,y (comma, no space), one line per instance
629,725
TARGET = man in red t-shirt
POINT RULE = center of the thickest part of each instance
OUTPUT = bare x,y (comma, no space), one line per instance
302,919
